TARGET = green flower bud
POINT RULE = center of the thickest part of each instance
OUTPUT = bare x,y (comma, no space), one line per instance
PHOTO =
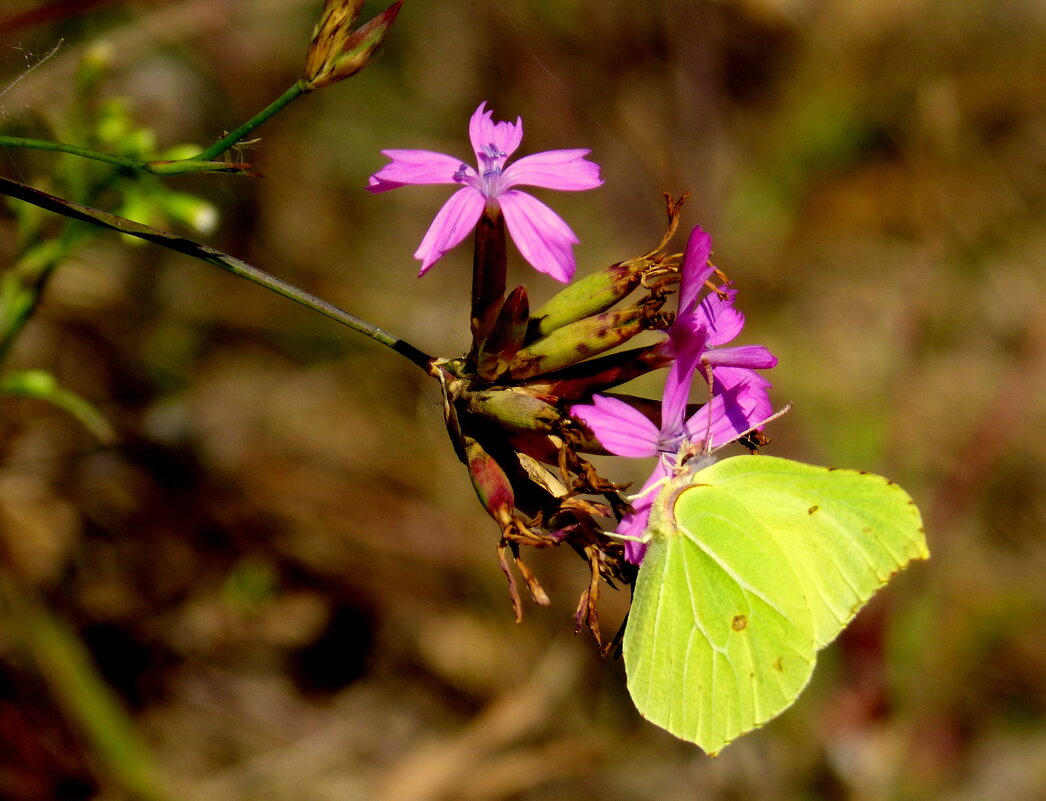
600,291
513,408
590,295
578,341
336,50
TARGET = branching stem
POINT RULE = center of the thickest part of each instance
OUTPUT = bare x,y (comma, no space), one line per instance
156,167
216,257
296,90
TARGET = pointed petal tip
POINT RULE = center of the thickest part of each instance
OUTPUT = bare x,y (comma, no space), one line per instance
541,235
376,185
427,259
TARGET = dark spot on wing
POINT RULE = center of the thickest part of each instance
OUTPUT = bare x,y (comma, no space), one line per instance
812,509
739,622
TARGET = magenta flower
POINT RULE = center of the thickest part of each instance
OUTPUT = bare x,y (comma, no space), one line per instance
702,326
541,235
624,431
739,400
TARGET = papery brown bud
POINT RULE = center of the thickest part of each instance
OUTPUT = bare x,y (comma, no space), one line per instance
587,296
506,338
513,408
577,341
535,471
336,50
542,447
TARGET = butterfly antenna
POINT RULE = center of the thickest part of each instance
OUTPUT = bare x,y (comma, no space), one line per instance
779,413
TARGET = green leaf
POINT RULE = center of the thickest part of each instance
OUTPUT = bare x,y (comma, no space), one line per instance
754,564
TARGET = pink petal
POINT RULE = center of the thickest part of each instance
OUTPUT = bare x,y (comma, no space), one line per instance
696,268
554,169
688,345
753,357
620,428
634,526
414,167
719,316
540,234
729,415
483,131
453,222
750,387
717,422
727,377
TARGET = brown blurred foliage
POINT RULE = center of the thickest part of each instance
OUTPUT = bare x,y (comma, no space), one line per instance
282,569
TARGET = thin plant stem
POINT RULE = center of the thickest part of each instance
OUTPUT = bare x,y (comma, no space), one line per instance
204,162
296,90
216,257
176,167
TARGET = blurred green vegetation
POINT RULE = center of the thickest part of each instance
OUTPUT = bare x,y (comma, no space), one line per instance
281,569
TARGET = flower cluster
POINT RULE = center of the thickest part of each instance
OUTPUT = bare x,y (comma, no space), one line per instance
529,398
738,401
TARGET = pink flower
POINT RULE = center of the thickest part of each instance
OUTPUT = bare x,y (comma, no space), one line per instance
738,403
541,235
702,326
624,431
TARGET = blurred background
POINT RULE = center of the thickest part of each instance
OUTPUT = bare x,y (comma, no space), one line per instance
281,572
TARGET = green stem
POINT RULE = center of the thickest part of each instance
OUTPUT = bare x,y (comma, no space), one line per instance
296,90
216,257
155,167
204,162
